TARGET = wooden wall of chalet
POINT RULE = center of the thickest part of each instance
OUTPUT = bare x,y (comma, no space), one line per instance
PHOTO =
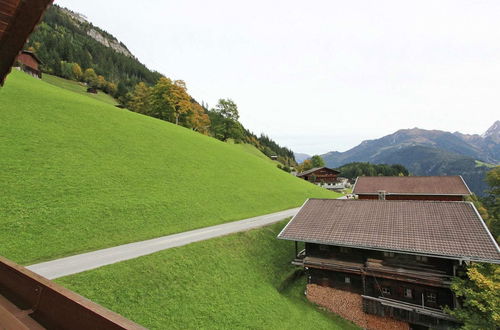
361,255
373,284
376,308
416,197
336,280
373,287
444,297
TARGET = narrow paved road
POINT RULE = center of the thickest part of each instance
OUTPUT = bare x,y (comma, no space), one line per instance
82,262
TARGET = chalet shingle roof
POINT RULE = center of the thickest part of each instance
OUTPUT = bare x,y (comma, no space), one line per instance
414,185
27,52
312,170
449,229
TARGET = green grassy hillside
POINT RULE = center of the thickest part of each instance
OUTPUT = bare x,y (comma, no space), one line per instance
231,282
77,174
77,87
256,152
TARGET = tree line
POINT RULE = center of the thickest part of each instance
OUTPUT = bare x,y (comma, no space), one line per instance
353,170
169,100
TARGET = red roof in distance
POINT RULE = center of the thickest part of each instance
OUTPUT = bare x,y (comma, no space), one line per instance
411,185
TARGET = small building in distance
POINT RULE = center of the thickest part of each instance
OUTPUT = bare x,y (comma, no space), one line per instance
438,188
390,259
92,90
29,63
321,176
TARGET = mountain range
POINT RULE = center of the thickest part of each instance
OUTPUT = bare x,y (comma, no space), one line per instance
430,152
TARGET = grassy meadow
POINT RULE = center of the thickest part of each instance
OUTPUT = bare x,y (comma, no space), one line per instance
77,174
236,281
78,87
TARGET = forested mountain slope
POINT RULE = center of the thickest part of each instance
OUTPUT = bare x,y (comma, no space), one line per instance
65,37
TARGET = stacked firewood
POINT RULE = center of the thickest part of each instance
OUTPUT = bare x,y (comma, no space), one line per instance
350,306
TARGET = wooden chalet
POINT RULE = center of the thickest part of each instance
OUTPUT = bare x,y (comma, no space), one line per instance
18,18
439,188
29,63
398,256
319,175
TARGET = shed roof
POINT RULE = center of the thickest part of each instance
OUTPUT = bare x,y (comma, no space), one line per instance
27,52
452,230
17,20
411,185
312,170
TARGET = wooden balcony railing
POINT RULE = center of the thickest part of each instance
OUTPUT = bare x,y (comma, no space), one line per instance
30,301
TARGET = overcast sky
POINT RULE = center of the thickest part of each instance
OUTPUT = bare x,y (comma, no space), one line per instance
318,76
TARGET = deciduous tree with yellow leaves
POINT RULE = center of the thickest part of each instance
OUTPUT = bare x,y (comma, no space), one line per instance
480,297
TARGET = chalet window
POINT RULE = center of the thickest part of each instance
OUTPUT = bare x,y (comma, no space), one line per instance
323,247
389,254
345,249
431,297
386,291
408,293
347,280
422,258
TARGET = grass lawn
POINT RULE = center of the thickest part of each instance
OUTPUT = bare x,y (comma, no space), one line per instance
230,282
77,87
77,174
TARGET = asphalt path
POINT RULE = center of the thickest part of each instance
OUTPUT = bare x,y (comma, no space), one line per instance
86,261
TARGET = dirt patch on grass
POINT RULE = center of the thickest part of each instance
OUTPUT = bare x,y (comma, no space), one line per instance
350,306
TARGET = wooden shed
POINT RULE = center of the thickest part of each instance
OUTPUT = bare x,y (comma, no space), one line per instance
29,63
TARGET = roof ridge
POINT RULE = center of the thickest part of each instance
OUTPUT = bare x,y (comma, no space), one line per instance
385,200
